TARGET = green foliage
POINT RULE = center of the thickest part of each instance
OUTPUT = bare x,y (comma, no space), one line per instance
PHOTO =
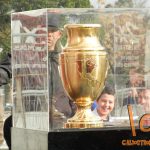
74,3
23,5
5,39
5,9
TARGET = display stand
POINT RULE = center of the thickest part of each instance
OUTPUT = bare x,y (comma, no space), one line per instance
75,140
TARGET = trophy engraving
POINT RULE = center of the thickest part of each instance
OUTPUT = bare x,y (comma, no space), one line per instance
83,68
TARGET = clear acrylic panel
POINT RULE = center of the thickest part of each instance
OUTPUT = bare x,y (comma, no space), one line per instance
29,68
131,60
64,103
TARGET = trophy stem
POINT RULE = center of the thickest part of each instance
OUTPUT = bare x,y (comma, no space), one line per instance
84,118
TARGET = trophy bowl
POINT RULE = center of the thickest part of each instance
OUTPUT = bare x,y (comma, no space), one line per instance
83,70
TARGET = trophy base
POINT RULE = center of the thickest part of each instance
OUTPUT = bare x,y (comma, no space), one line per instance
83,124
84,118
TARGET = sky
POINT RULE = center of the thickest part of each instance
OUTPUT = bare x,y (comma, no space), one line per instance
96,5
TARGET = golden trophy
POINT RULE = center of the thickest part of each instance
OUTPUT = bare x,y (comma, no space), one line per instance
83,68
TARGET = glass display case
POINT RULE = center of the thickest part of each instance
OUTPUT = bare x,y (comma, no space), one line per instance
58,76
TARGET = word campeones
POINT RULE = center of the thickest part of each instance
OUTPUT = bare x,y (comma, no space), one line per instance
140,142
141,122
136,142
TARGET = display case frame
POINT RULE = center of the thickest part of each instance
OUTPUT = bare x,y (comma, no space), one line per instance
30,59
